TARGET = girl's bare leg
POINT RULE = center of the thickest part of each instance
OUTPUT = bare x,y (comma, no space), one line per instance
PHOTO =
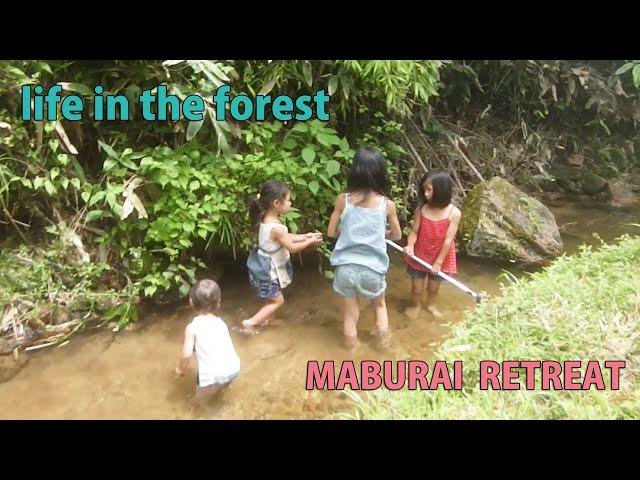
350,321
417,290
268,309
432,293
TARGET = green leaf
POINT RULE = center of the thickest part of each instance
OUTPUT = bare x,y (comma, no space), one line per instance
194,185
306,71
117,209
163,180
115,311
65,182
327,140
333,167
38,182
108,164
184,242
107,149
128,163
150,290
55,171
289,144
333,84
193,128
184,289
76,183
94,215
325,180
636,76
624,68
170,63
301,127
97,197
50,188
308,155
314,187
267,87
85,196
76,87
111,199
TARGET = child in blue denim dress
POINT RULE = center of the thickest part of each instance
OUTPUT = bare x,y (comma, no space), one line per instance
270,269
359,220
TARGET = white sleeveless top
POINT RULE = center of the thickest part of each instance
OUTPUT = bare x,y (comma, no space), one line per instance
280,255
214,352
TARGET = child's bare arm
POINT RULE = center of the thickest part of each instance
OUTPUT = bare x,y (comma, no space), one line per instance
446,245
282,237
302,237
333,230
413,236
187,350
394,223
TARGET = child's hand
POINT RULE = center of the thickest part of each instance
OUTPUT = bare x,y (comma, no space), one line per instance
316,239
409,250
435,270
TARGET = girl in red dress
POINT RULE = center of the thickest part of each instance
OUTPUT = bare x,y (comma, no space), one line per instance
432,239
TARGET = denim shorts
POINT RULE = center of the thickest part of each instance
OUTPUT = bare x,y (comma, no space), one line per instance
420,274
264,288
219,384
352,280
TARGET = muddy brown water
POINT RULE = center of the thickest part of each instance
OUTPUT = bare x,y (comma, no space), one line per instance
129,375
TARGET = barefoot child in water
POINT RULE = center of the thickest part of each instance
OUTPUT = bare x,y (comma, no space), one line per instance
270,269
208,337
359,220
432,239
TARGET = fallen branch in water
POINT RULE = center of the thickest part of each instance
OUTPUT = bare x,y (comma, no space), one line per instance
38,347
61,327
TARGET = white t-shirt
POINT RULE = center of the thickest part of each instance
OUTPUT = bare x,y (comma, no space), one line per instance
215,355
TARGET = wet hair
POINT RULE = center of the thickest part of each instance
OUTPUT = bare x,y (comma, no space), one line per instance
368,172
442,188
205,296
270,191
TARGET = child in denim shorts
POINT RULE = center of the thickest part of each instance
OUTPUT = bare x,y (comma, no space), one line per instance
271,271
359,221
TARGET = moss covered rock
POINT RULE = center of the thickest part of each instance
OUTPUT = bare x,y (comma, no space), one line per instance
592,183
501,222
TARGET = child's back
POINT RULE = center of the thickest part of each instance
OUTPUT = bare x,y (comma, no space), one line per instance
362,232
359,221
215,355
207,337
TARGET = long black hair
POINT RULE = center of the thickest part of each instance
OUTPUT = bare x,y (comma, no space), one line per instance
442,188
369,172
270,191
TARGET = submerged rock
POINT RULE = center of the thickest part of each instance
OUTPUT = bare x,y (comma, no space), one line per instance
621,194
499,221
10,366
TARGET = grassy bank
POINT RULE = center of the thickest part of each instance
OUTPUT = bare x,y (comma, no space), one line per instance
583,307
